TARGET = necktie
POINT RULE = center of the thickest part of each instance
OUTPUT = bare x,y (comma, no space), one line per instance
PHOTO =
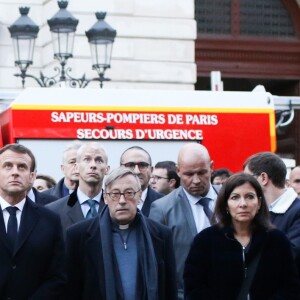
205,203
12,225
92,211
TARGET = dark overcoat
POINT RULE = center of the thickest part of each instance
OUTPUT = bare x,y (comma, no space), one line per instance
214,268
85,267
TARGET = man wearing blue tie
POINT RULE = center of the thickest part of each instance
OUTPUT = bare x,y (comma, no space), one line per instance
31,242
187,210
87,200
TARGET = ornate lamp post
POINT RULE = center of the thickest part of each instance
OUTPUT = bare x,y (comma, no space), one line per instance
101,38
63,27
23,33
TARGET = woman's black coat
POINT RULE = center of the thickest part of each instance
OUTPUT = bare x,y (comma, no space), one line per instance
214,268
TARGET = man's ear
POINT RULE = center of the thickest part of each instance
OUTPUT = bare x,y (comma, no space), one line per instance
107,169
32,177
172,182
105,197
212,165
264,178
177,170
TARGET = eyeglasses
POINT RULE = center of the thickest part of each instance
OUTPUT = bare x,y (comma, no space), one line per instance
155,177
115,196
253,175
141,165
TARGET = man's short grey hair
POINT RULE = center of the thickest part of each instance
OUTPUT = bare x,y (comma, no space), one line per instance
75,145
119,173
93,145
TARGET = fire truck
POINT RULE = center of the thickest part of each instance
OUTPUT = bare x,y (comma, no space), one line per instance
232,125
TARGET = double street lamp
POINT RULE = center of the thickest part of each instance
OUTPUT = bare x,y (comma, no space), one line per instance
62,25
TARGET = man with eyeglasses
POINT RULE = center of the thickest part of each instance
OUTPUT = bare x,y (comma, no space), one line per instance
87,200
284,204
139,160
164,178
121,254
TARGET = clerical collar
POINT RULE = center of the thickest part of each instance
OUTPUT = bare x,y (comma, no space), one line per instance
115,225
123,226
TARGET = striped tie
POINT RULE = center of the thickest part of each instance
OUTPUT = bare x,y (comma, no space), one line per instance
92,211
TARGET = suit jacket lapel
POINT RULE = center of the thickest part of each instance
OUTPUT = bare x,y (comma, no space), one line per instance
75,213
187,212
74,208
147,204
101,203
3,237
29,219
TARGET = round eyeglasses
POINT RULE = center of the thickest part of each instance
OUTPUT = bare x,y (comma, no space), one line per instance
141,165
128,195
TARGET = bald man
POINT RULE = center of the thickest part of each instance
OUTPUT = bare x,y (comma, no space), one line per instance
180,210
294,181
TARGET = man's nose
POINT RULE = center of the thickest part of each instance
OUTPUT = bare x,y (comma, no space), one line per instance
92,163
196,179
122,199
15,170
136,169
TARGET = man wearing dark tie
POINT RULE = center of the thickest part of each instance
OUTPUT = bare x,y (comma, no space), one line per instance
87,200
31,242
187,210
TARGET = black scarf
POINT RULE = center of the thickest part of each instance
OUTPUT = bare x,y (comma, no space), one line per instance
146,255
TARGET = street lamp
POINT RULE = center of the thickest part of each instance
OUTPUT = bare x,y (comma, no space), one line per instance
63,27
101,38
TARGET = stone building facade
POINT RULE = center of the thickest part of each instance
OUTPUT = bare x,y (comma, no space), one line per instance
154,47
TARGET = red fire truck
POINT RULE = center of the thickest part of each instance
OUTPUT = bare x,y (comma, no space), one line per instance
232,125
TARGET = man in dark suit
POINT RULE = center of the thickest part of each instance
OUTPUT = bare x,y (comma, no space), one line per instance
87,199
180,210
139,160
31,242
69,182
284,204
40,198
120,254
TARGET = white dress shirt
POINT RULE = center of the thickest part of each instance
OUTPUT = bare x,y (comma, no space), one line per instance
82,198
31,195
283,203
5,213
199,215
143,198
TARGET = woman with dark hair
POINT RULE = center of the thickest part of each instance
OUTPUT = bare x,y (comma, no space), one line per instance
241,256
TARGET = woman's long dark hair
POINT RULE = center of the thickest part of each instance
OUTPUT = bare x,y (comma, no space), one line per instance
221,215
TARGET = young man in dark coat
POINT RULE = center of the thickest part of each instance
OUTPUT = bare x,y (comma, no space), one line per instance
284,204
31,242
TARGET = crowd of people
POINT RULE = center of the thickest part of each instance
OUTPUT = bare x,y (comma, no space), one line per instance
175,230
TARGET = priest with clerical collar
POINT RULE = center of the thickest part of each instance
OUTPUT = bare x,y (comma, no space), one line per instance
121,254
